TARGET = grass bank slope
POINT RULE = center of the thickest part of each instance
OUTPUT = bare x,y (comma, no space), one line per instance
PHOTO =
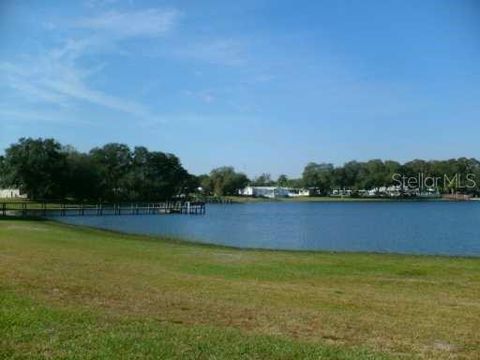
72,292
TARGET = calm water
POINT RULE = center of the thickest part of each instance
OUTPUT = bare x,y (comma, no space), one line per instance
407,227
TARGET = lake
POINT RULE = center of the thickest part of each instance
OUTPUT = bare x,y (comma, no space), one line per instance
435,227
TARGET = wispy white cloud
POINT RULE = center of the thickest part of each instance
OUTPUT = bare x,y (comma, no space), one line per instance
150,22
56,78
62,79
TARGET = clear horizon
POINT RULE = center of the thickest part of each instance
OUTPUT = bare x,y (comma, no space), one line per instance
262,86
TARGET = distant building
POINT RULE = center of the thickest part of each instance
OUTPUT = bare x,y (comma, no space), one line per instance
341,192
273,192
11,194
298,192
398,191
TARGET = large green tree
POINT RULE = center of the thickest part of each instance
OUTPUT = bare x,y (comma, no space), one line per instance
38,167
165,177
84,178
140,174
114,162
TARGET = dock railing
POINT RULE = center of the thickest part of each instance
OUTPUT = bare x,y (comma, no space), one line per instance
44,209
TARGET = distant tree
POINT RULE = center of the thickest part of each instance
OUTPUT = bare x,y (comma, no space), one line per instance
225,181
137,180
205,182
339,178
166,176
192,184
295,183
37,166
374,174
263,180
156,176
474,188
3,171
114,162
319,177
83,177
283,180
415,167
391,168
350,176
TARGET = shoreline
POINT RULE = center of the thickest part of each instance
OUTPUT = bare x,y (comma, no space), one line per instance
242,200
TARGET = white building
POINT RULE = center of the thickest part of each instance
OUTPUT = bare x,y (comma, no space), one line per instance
11,194
341,192
298,192
272,191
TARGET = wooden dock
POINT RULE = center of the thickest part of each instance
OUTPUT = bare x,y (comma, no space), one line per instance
44,209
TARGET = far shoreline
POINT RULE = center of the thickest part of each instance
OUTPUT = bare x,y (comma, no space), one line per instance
244,200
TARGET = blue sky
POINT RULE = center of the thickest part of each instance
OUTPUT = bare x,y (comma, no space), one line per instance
265,86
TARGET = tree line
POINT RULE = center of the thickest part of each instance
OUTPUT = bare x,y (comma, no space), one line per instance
322,178
462,175
46,169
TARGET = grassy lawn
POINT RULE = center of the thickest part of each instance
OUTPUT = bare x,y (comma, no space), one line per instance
72,292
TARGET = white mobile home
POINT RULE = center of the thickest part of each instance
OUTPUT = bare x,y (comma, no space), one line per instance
298,192
272,192
11,194
265,191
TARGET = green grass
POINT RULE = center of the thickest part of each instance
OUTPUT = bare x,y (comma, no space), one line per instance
33,331
73,292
